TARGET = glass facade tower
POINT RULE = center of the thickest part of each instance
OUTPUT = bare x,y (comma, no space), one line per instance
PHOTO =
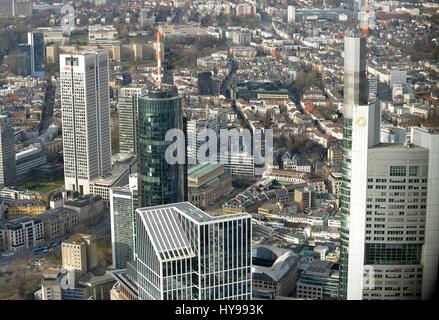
122,206
36,41
7,152
24,67
386,251
183,253
127,106
159,181
355,93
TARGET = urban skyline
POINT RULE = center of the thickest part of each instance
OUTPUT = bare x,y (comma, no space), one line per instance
219,150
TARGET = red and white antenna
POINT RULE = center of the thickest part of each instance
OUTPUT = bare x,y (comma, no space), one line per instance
159,61
365,26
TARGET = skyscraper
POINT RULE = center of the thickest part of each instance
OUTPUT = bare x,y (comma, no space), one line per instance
24,61
160,182
184,253
6,8
355,80
355,93
429,139
7,152
85,118
205,84
199,124
387,190
122,206
37,53
127,106
16,8
23,8
291,14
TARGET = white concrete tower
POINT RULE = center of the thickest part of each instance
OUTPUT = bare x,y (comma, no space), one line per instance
85,118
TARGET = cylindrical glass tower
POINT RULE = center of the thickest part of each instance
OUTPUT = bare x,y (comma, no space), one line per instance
160,110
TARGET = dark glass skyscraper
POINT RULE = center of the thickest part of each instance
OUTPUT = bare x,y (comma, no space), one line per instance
36,41
160,110
24,60
7,152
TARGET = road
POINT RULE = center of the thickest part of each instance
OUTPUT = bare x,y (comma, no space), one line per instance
100,229
47,114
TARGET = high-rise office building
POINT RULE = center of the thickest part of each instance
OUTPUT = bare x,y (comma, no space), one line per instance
37,53
127,107
398,77
16,8
429,139
387,192
85,118
160,182
184,253
205,84
201,143
355,80
7,152
357,7
388,215
122,206
355,93
291,14
23,8
6,8
24,61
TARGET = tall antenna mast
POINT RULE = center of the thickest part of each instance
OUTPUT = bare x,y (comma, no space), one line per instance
365,27
159,62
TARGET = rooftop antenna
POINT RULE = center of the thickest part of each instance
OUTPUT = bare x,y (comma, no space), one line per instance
159,62
365,27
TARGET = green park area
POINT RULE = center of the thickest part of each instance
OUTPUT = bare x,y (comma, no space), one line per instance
43,185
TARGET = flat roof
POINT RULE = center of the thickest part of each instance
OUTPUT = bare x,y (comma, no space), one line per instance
397,146
201,170
188,209
113,176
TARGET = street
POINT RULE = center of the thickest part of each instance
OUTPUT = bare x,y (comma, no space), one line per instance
100,229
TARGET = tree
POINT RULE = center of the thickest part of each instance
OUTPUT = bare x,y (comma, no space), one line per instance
304,80
103,248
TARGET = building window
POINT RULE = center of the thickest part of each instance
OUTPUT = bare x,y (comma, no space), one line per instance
397,171
413,171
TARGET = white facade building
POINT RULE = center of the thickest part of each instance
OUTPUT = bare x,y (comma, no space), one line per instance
24,233
240,164
430,252
391,187
291,14
85,118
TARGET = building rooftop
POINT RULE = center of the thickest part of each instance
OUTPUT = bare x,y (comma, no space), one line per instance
202,169
113,176
191,212
56,213
272,263
321,268
17,223
77,238
397,146
166,231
